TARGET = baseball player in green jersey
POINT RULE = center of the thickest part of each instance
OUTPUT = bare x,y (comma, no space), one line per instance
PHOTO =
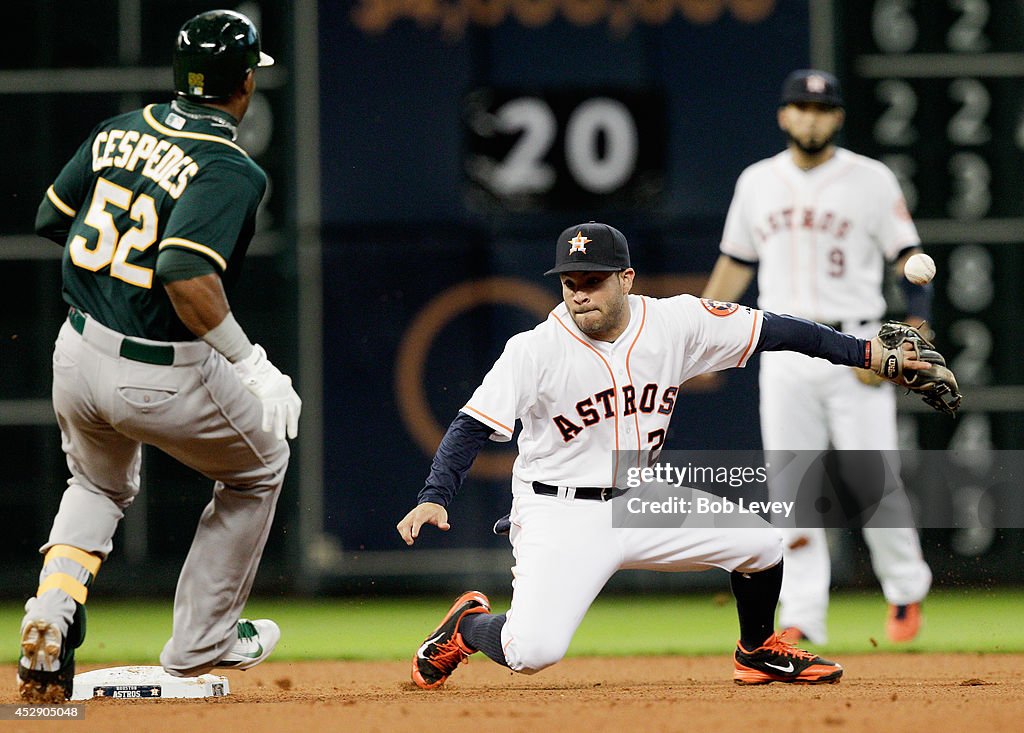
155,212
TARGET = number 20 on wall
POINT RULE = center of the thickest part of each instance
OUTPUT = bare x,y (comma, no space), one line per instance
537,144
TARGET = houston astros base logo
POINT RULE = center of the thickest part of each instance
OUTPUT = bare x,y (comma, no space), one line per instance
577,243
718,307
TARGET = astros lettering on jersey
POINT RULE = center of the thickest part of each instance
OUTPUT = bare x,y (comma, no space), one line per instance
820,237
580,399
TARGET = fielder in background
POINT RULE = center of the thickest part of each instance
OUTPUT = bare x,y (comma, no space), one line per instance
820,224
155,212
601,375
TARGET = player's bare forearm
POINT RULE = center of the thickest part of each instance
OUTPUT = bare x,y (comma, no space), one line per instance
729,280
200,302
425,513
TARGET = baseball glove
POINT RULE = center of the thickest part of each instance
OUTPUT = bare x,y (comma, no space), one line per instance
936,385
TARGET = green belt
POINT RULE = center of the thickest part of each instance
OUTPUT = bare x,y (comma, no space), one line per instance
130,349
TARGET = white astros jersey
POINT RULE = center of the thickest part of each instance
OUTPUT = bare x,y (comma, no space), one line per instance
580,400
821,237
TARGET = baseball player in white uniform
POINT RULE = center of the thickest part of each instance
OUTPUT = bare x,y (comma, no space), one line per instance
599,376
820,224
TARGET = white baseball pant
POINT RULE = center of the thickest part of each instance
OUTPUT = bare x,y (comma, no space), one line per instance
567,549
810,404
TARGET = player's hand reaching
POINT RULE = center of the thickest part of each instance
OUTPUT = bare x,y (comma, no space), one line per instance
425,513
907,361
281,404
902,355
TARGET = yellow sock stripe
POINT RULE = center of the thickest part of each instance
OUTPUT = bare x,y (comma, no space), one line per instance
86,559
64,582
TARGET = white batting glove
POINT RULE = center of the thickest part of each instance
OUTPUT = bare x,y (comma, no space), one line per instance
281,404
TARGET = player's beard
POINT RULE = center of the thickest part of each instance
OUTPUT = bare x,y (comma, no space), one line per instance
591,322
597,323
813,146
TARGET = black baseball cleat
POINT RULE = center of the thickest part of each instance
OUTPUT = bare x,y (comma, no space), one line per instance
503,526
779,661
46,669
444,649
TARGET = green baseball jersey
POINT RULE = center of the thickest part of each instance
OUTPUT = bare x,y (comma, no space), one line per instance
165,176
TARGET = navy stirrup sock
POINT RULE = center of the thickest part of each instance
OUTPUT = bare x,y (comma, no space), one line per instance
482,631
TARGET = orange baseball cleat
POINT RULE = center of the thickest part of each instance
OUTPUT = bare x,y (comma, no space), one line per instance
444,650
904,622
792,635
779,661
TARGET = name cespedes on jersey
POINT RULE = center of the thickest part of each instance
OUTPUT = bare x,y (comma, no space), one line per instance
590,414
166,163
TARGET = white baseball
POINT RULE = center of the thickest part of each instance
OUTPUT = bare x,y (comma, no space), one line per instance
920,269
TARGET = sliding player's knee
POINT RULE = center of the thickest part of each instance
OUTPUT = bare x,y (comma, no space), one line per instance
760,549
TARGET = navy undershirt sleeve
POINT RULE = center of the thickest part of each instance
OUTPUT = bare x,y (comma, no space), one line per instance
918,298
464,439
788,333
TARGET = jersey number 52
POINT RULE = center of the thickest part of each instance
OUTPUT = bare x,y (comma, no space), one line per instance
112,247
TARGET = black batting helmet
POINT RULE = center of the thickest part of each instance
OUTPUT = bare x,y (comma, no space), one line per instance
213,53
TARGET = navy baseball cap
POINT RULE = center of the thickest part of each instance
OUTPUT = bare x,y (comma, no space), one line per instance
588,247
811,85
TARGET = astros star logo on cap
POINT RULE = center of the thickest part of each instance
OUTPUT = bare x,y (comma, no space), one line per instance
577,243
815,84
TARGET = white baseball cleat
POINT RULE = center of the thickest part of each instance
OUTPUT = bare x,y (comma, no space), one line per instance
46,668
256,640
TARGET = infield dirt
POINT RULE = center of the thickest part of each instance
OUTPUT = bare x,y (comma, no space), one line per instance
879,692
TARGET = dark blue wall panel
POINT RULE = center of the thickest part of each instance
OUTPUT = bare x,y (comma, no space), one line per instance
400,231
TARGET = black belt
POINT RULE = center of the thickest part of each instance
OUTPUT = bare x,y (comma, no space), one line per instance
838,325
590,493
161,355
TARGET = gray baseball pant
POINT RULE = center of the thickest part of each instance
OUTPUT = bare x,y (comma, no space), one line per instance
197,411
